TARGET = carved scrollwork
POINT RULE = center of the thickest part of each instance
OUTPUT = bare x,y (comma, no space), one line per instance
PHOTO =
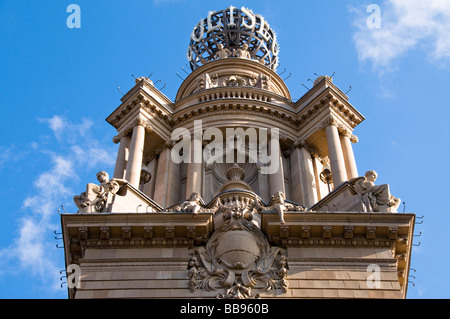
207,81
238,259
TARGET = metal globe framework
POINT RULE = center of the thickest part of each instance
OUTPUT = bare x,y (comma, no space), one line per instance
234,30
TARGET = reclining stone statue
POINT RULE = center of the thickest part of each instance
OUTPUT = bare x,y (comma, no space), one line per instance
93,200
375,198
193,204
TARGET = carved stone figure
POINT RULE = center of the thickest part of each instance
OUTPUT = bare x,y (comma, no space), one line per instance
243,52
222,53
95,196
193,204
375,198
280,206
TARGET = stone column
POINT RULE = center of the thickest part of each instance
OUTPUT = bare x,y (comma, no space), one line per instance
149,188
276,179
350,163
194,170
134,164
167,186
263,189
162,177
121,159
302,174
335,154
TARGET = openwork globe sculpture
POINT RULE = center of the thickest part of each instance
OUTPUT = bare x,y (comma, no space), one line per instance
233,33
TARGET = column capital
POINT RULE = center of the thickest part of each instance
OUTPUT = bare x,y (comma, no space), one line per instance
343,130
301,143
329,120
354,139
145,123
136,121
149,158
116,139
168,144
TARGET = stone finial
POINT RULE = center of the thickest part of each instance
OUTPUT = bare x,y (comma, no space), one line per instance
320,78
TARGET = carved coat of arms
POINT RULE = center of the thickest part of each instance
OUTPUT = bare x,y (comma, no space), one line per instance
238,259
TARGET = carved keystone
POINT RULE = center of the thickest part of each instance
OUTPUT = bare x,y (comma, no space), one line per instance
82,233
393,232
306,232
326,232
370,232
126,232
190,232
401,257
104,232
284,231
170,232
148,232
348,232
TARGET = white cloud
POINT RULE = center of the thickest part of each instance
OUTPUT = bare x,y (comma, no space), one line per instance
33,250
6,155
56,124
405,25
93,155
10,154
67,131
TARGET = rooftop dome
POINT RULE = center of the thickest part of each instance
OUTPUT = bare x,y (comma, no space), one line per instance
233,33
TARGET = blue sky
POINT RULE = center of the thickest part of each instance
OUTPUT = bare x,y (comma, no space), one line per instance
58,84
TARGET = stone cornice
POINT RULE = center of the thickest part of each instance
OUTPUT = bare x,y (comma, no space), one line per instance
141,100
322,85
147,84
237,102
328,99
237,109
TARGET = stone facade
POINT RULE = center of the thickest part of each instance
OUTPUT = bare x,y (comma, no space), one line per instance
327,255
309,228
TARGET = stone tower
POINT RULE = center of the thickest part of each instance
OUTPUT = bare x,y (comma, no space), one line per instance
233,190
